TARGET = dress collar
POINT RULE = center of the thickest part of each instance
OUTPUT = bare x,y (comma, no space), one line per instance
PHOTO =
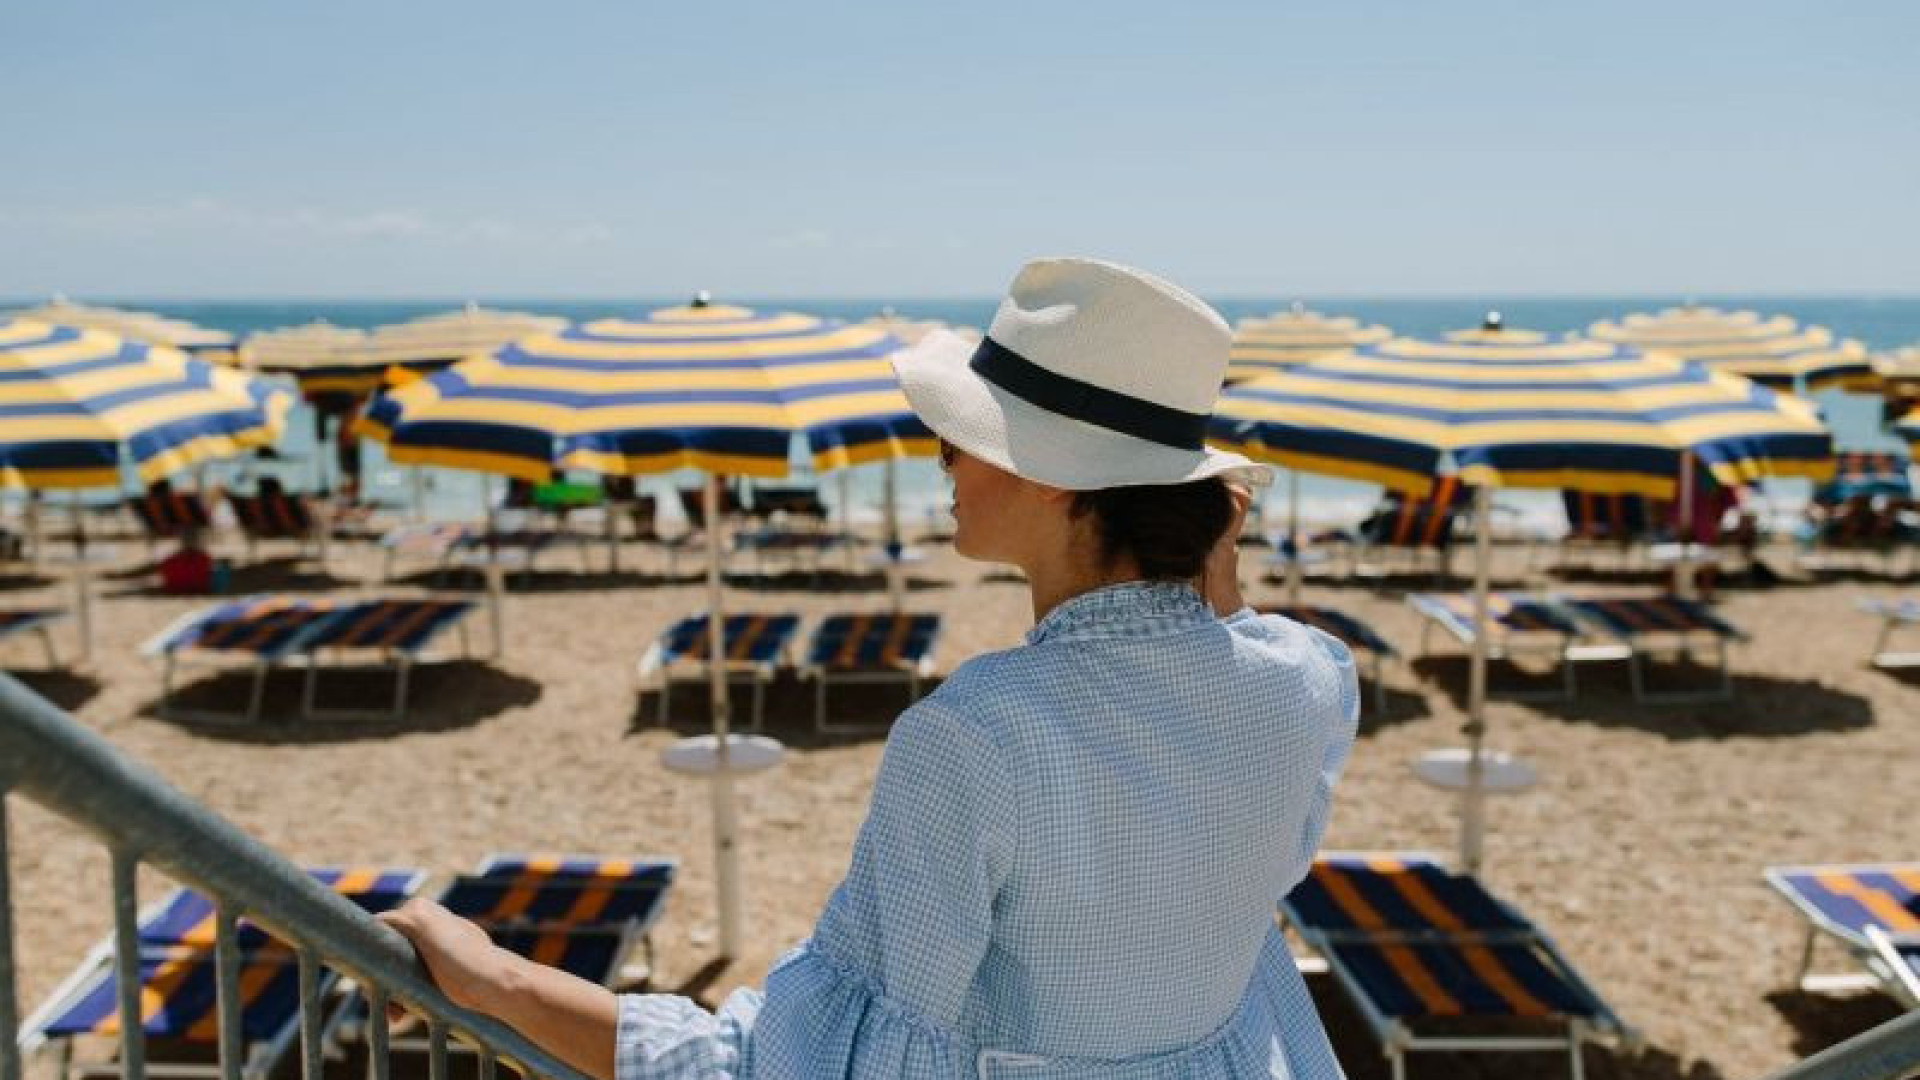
1119,611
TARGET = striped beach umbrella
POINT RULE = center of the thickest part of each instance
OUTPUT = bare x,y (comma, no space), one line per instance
145,327
431,342
321,357
1775,351
1515,408
76,403
1292,337
718,388
723,389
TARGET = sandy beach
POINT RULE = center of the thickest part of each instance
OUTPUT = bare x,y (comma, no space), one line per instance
1640,851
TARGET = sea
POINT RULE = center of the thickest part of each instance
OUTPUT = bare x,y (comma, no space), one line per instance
1880,322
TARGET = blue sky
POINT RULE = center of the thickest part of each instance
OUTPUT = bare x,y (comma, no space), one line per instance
886,149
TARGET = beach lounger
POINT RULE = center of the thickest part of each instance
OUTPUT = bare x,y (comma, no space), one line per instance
1647,624
1617,523
1842,902
870,648
1895,615
1865,472
36,621
789,502
267,631
581,914
1434,961
177,967
1356,635
755,646
802,548
1519,623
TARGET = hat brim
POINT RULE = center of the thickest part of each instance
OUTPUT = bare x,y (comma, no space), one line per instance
1031,442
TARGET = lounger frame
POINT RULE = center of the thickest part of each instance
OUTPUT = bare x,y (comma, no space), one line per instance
39,627
755,674
1562,646
1899,967
825,675
1859,945
1640,642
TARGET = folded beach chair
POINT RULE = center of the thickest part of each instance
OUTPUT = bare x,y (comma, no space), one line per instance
266,631
177,968
1843,902
1519,624
273,514
166,514
755,645
1646,624
34,621
870,648
1895,615
1355,634
1434,961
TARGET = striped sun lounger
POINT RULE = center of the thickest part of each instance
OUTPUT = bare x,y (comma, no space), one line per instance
1433,960
755,646
1355,634
34,621
881,647
1519,623
177,971
1646,623
1895,615
271,630
1844,902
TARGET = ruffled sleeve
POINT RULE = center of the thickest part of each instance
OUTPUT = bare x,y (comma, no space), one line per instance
879,989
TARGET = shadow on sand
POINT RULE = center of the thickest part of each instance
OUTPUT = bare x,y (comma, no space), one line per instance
353,703
1823,1020
67,689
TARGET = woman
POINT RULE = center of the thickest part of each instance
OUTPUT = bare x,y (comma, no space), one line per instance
1071,860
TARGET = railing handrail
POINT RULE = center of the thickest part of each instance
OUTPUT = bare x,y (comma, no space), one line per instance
50,758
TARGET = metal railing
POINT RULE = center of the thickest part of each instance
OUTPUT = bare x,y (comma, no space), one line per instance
1887,1052
47,757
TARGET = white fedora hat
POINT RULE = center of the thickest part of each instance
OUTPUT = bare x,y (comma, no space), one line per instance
1092,376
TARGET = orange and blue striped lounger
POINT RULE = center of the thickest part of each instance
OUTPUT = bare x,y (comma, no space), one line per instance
177,970
33,621
1356,635
881,647
1645,623
270,630
1845,902
1432,959
165,515
755,647
1517,623
273,515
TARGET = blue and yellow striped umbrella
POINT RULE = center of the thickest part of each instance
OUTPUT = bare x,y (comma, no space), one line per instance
1515,408
73,401
1776,351
1294,337
702,387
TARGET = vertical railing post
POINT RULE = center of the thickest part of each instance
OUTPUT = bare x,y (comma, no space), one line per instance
126,955
9,1004
436,1050
310,1063
226,974
378,1066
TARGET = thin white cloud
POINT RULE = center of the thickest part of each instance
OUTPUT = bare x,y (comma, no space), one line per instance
206,216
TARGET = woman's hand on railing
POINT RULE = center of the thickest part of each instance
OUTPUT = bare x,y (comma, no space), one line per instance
569,1017
471,970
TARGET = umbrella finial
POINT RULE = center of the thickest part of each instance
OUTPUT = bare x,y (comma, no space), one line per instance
1299,307
1493,321
701,299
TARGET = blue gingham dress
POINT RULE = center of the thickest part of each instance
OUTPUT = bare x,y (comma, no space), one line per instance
1069,869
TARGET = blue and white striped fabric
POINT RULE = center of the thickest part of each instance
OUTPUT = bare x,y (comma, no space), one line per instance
1069,868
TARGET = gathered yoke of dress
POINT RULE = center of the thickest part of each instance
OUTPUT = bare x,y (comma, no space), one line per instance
1069,868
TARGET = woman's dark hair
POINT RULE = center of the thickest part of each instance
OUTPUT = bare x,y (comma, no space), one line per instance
1167,529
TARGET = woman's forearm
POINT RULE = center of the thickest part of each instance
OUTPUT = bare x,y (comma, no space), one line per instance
565,1015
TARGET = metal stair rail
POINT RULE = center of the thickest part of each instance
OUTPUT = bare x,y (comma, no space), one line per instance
48,757
1887,1052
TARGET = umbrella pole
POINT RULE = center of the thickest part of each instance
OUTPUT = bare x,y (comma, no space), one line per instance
895,550
1295,571
83,592
417,481
846,515
32,513
1473,799
725,853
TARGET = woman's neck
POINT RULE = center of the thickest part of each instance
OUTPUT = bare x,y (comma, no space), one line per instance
1055,581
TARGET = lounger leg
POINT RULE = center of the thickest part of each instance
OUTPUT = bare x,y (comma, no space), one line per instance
1379,686
1398,1058
1635,676
46,642
307,687
1726,669
1567,675
402,667
1806,960
759,702
820,701
166,682
63,1059
666,685
259,692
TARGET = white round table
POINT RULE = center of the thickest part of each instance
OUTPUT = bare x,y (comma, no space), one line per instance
1500,772
699,755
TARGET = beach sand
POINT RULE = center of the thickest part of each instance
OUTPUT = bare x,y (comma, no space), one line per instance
1640,851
